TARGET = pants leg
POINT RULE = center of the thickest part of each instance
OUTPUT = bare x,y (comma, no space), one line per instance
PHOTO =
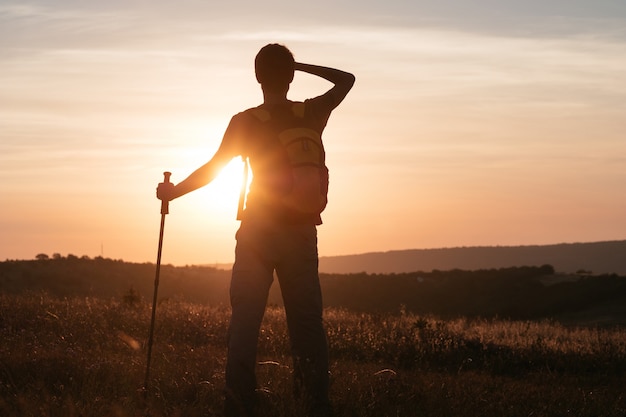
297,273
251,280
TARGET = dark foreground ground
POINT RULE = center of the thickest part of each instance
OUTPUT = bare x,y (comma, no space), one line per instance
86,357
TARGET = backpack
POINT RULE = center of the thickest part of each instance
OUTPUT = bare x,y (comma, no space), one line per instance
303,153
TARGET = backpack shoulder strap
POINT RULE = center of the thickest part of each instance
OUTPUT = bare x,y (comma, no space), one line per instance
298,110
261,114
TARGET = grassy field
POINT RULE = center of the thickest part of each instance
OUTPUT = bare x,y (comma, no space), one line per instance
86,357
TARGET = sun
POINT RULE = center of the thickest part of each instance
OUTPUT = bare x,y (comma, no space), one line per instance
223,192
214,205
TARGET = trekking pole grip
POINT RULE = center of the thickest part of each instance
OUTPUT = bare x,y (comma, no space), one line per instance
165,205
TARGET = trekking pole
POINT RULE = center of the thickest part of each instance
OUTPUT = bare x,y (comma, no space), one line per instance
164,211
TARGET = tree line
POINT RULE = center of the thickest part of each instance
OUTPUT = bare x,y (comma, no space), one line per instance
524,292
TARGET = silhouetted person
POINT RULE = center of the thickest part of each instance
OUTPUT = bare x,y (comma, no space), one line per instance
275,234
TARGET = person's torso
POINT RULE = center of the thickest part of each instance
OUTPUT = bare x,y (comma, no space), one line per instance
269,160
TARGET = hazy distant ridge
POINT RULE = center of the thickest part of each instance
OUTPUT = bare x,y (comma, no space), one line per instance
597,257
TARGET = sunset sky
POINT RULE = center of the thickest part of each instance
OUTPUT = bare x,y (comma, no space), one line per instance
489,122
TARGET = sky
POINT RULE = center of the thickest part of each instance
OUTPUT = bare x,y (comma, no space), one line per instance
484,123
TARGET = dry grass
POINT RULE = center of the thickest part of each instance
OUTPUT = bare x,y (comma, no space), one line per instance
86,357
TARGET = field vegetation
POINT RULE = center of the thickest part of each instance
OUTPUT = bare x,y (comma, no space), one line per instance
82,352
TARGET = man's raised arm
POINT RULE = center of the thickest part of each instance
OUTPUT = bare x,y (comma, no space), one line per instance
343,81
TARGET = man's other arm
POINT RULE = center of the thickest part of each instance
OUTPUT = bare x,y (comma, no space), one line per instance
206,173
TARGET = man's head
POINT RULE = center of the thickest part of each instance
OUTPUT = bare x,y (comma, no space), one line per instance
274,67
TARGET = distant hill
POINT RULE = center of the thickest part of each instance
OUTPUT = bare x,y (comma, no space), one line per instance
597,258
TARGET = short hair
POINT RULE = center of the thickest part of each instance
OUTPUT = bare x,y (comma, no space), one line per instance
274,66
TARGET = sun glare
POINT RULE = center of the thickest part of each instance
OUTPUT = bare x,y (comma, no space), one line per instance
223,192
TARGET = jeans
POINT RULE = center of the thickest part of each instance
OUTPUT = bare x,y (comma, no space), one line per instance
291,251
